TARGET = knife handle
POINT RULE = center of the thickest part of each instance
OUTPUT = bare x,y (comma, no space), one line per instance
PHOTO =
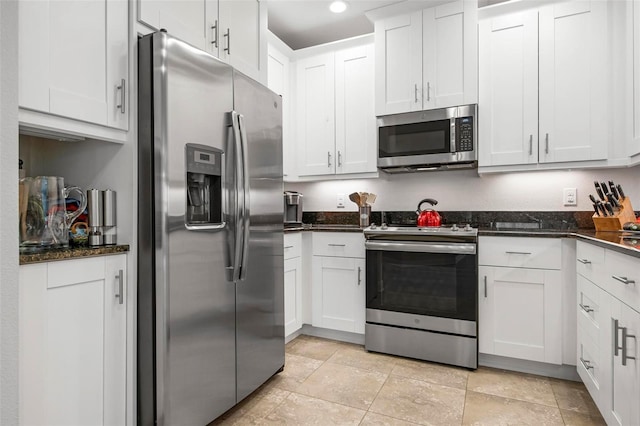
605,190
609,208
600,194
620,191
614,191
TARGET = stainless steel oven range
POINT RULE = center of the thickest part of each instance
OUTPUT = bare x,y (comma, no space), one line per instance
421,295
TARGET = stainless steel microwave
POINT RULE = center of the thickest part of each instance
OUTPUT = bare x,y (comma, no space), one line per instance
437,139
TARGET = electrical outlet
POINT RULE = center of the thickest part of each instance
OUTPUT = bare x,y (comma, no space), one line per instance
570,197
340,201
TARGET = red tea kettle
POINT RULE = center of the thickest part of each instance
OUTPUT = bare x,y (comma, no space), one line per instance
428,217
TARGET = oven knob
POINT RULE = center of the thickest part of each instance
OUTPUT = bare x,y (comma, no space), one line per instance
383,226
468,227
373,226
454,227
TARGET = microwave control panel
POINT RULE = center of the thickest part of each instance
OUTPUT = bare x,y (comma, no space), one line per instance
464,134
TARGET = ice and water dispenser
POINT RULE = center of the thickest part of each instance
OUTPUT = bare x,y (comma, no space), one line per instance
204,185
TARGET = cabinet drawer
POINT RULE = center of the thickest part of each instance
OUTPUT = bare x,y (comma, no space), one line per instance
591,317
589,365
622,277
338,244
69,272
537,253
589,260
292,245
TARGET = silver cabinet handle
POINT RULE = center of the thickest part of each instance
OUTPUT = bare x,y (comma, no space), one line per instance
339,159
586,363
328,159
586,308
123,93
546,141
214,33
584,261
616,347
120,293
359,275
415,92
517,252
336,245
288,247
485,286
228,37
626,336
623,280
530,144
428,91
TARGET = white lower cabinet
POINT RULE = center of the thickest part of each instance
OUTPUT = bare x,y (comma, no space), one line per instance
520,298
520,313
292,283
608,330
338,283
73,342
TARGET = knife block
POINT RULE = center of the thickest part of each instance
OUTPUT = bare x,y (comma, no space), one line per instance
614,223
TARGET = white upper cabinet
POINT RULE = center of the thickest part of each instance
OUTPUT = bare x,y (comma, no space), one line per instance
543,85
398,64
73,60
573,93
181,19
335,118
508,90
449,55
232,30
315,125
241,36
427,59
279,80
355,141
634,142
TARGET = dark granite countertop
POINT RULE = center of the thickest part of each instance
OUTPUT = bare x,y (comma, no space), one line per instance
71,253
323,228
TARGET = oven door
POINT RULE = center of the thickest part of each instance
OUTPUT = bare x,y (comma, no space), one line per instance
422,285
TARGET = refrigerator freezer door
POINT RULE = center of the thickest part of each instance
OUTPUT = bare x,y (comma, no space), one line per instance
260,295
194,313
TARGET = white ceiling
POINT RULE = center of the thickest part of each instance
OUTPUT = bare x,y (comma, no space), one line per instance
304,23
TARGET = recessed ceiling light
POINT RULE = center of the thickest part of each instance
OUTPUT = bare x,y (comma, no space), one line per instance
338,6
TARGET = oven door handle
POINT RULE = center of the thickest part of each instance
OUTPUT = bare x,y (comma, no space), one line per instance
421,247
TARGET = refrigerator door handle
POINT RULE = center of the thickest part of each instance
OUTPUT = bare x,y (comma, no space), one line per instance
245,204
238,218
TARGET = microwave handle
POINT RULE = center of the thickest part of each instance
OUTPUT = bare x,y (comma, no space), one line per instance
453,135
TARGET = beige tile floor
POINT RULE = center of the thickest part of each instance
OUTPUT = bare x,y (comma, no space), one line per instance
326,382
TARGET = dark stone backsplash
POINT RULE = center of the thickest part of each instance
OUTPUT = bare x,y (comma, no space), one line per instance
547,220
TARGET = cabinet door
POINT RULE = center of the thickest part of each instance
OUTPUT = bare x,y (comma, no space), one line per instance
399,64
449,55
338,293
74,60
292,295
116,300
241,35
73,342
278,67
625,394
355,117
519,313
573,75
212,32
508,89
315,128
181,18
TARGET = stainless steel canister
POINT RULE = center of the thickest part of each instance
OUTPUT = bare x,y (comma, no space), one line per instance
109,216
95,207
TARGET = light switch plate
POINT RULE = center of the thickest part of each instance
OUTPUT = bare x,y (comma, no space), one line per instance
570,196
340,201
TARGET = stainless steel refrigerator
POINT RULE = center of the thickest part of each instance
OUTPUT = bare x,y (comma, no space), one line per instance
210,263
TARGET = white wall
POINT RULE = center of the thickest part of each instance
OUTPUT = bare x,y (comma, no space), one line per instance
9,212
466,191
